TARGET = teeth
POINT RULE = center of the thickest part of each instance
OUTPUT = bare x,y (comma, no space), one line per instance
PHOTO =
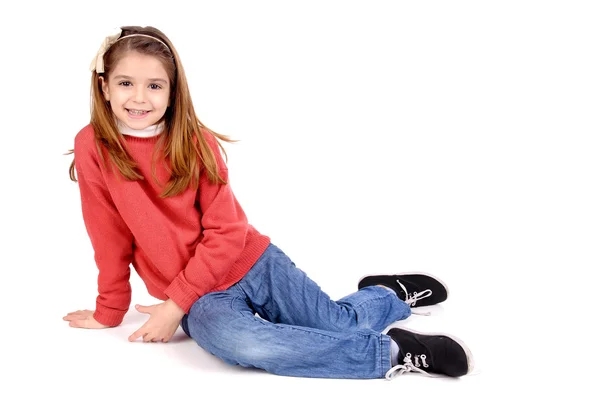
136,112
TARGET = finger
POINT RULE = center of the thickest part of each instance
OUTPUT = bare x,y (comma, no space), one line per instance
148,338
86,323
74,317
168,337
74,313
78,315
77,323
137,334
144,309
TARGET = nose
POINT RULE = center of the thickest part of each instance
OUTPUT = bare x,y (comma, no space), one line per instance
139,95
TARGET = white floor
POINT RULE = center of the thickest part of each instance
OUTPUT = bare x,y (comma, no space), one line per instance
55,358
456,138
42,355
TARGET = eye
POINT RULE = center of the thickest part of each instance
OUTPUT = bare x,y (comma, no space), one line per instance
125,83
155,86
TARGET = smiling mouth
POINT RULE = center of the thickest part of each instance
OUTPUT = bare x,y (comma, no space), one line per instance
137,112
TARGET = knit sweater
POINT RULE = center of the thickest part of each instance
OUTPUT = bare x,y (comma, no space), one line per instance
182,247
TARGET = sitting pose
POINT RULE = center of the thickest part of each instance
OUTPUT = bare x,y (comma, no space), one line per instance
155,194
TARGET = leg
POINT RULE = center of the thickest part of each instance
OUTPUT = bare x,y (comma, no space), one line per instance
281,293
224,324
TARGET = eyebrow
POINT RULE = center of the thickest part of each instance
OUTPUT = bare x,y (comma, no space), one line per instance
131,78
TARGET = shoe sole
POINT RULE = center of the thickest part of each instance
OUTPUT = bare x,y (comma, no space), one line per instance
414,273
461,343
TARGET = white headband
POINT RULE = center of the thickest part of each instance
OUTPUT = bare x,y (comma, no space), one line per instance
98,61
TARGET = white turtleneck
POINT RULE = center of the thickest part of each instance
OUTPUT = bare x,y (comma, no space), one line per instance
149,131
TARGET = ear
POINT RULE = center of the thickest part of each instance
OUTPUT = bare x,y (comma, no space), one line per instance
104,88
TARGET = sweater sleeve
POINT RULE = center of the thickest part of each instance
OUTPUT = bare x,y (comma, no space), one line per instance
224,230
109,235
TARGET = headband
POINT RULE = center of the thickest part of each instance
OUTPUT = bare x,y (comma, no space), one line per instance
98,61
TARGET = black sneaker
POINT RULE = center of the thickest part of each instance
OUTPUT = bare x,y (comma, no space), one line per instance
416,289
430,354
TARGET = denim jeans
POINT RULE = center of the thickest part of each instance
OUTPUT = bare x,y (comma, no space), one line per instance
279,320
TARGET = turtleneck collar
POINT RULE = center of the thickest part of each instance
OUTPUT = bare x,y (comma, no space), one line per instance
149,131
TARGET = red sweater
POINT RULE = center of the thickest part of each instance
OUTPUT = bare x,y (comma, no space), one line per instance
182,247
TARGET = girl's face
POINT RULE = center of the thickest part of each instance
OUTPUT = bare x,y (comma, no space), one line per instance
138,90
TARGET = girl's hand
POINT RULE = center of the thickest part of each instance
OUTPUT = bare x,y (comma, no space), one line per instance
163,322
83,319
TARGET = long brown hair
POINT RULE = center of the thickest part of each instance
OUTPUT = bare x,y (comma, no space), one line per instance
183,140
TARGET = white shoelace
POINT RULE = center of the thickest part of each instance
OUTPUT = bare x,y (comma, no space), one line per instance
409,366
411,299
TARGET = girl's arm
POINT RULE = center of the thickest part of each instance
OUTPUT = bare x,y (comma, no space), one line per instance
225,227
109,235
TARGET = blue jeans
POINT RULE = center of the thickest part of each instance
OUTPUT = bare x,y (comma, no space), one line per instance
299,330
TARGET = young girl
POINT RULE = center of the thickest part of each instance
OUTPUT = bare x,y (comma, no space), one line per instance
155,194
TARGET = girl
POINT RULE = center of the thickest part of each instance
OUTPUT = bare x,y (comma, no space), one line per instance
155,194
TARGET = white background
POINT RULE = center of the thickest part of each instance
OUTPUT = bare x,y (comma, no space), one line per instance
458,138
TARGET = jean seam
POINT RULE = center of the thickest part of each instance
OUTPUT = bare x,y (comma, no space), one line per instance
384,367
312,331
380,355
381,358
